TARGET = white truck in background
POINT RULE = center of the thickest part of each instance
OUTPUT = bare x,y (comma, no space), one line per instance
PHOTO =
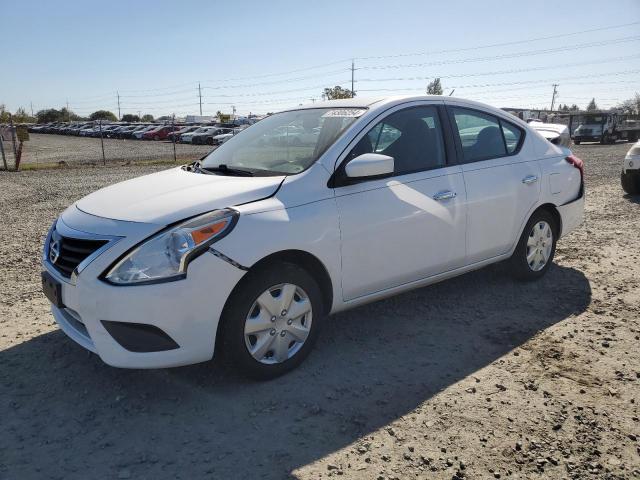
603,127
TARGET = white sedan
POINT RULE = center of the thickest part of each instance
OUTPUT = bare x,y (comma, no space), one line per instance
630,176
249,249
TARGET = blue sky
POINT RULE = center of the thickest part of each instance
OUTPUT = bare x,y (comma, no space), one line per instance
265,55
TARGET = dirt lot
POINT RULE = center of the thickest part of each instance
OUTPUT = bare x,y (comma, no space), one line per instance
476,377
48,149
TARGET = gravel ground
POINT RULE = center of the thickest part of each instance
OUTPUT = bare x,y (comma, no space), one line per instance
46,149
476,377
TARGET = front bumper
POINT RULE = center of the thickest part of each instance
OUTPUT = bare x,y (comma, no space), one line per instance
631,163
188,310
586,138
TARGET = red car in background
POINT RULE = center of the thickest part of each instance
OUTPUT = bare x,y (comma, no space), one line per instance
160,133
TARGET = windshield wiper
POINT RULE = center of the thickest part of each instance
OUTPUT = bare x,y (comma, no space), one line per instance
223,169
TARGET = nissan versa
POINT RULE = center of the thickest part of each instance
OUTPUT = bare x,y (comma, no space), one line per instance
308,212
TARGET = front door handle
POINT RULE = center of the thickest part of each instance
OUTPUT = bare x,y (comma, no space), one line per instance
530,179
444,195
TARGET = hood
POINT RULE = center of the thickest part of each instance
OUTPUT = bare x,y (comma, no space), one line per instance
172,195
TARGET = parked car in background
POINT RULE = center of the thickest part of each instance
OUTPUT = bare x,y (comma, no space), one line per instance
86,131
125,131
250,248
630,176
556,133
160,132
206,138
188,137
175,136
138,134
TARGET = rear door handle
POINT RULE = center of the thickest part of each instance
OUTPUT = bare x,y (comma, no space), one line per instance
530,179
444,195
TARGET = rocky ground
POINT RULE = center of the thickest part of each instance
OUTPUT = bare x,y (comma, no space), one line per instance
476,377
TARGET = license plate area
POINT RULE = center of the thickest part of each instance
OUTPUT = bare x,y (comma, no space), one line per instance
52,289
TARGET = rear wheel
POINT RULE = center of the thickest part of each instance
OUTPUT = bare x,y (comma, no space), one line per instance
630,182
537,246
577,142
271,321
209,141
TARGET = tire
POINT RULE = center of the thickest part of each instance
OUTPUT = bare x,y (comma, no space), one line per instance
604,139
521,267
156,138
630,182
243,306
577,142
209,141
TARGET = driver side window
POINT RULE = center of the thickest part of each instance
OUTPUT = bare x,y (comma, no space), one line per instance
413,137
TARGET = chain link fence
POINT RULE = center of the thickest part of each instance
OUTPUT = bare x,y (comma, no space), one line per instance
100,147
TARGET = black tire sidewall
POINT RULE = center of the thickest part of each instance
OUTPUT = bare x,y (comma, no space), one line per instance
519,265
237,308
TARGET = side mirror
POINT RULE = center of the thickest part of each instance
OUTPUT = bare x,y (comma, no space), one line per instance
370,165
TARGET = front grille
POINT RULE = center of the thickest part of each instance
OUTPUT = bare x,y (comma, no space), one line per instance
66,253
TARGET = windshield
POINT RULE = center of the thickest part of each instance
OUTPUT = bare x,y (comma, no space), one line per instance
593,119
284,143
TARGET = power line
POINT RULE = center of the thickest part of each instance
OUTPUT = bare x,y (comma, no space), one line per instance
504,56
501,44
500,72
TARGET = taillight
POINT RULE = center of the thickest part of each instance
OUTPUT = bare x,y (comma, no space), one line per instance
578,163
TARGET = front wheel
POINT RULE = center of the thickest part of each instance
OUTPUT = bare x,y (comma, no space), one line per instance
630,182
577,142
537,246
271,321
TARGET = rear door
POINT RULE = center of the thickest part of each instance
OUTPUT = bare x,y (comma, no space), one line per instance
502,183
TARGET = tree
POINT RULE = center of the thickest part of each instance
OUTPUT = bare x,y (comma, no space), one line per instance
632,105
592,105
147,117
103,115
128,117
337,92
4,114
434,87
21,116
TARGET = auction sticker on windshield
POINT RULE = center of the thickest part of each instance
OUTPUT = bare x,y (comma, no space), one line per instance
344,112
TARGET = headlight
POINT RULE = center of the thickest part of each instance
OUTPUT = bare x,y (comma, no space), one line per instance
165,256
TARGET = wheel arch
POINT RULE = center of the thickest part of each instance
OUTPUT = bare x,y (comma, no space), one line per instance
553,210
304,260
549,207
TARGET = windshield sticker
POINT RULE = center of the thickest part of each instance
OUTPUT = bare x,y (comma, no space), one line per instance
344,112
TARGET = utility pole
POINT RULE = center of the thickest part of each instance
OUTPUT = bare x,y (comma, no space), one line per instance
353,68
200,96
68,113
553,98
118,96
31,103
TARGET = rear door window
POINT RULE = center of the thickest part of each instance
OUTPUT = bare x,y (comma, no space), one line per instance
480,135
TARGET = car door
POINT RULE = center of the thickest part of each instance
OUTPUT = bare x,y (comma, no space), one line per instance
411,225
502,180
